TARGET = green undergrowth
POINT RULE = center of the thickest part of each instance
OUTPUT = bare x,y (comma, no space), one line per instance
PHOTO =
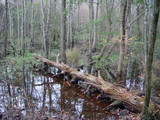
12,67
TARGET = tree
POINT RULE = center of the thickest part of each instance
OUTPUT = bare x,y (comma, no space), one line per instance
31,33
6,28
43,25
91,27
150,59
95,28
70,25
63,32
122,43
18,22
146,2
23,28
47,29
46,26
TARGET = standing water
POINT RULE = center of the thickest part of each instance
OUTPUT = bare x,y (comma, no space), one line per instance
37,96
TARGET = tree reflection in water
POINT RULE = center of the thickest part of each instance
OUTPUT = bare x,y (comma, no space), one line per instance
45,96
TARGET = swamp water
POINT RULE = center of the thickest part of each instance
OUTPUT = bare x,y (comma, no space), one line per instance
37,96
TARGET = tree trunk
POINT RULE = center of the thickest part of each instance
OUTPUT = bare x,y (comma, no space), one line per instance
129,100
78,21
69,36
43,25
70,24
22,28
150,59
91,18
18,23
6,28
128,30
63,32
31,33
146,29
95,29
109,9
10,23
138,24
47,28
91,32
55,26
122,44
1,18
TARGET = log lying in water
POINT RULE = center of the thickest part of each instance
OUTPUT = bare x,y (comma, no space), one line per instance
129,100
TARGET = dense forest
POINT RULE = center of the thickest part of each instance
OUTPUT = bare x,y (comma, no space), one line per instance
79,59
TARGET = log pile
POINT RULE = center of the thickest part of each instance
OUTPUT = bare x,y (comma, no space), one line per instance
129,100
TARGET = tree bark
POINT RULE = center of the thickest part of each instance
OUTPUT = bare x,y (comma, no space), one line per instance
146,2
95,29
63,32
122,44
10,22
47,28
129,100
6,28
31,33
23,28
109,9
1,18
70,15
150,59
18,23
43,25
91,32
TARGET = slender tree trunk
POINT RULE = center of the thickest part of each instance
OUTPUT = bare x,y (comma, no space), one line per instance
78,20
31,33
6,28
10,23
127,49
122,44
18,24
70,24
150,59
55,10
24,26
55,26
91,32
1,18
95,29
138,23
106,7
109,9
63,32
91,18
43,25
146,29
47,29
22,29
128,30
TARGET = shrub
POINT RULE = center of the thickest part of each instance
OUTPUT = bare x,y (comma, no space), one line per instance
73,57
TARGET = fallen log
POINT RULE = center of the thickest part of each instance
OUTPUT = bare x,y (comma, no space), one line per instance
129,100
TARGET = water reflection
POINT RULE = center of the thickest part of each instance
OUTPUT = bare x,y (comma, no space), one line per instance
37,93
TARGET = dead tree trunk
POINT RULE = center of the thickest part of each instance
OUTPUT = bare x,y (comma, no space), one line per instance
129,100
